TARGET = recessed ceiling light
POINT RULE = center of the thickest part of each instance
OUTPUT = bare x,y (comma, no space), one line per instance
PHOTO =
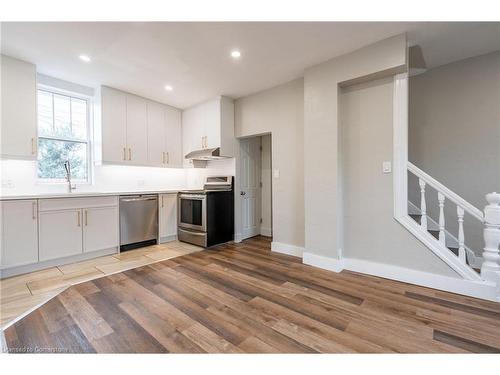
235,54
85,58
168,88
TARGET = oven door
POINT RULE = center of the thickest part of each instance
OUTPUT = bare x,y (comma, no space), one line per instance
192,211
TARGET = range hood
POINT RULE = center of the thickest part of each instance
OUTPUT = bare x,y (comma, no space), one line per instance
205,154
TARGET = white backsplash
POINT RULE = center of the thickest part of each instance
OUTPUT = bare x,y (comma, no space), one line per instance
19,178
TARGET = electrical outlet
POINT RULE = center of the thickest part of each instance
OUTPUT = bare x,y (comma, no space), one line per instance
8,184
276,173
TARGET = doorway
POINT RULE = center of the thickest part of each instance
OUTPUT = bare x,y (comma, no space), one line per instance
255,186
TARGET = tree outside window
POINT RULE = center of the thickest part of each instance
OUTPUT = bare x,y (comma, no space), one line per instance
62,135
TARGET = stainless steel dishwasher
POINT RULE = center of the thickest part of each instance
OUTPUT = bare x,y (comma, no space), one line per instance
138,221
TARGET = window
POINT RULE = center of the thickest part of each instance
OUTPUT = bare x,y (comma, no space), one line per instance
63,135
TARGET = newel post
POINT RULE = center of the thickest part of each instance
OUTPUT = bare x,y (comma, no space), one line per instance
490,270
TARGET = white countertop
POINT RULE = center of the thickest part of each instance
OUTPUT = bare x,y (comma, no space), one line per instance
84,194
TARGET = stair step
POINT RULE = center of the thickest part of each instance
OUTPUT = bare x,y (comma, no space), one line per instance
435,233
454,250
416,217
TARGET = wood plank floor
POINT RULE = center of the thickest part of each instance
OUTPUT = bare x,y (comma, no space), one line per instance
244,298
21,294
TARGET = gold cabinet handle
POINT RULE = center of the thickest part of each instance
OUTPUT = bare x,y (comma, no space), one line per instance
168,157
129,153
124,153
163,157
162,201
33,209
33,147
78,218
86,216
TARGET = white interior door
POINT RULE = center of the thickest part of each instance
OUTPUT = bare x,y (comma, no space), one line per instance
250,160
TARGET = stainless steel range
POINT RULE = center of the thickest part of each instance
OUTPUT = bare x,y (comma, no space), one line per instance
206,217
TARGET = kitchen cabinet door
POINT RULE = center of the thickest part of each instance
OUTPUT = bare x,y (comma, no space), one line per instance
173,137
60,234
191,135
157,135
100,228
168,217
137,132
19,112
114,125
18,233
212,123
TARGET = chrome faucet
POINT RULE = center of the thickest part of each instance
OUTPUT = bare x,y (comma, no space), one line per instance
67,166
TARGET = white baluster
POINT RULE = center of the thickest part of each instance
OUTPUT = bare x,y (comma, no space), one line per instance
423,205
461,235
442,235
490,270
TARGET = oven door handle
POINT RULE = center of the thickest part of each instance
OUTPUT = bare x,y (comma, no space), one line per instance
192,197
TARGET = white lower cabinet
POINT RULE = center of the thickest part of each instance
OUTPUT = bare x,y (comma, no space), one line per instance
60,234
167,217
100,229
74,226
18,233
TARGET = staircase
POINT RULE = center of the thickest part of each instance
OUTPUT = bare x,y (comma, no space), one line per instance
485,270
471,259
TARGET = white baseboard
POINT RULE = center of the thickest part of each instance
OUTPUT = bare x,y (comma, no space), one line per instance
478,289
169,238
320,261
237,238
266,231
284,248
8,272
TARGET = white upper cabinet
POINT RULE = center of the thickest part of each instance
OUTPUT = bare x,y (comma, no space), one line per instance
157,136
19,119
114,125
209,125
173,137
212,122
138,131
18,233
164,136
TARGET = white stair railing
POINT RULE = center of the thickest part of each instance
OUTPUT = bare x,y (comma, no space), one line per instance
444,194
490,270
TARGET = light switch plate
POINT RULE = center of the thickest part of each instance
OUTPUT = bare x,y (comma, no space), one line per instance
386,167
276,173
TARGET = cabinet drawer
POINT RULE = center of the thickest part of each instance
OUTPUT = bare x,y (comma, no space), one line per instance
73,203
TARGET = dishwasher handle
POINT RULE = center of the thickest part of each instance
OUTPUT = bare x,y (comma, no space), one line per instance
138,199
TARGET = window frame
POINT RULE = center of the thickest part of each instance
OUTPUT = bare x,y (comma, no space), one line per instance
89,141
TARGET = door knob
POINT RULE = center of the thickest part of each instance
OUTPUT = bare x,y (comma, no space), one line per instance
242,193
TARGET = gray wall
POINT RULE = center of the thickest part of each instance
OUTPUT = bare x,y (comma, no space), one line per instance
322,194
454,135
370,231
280,112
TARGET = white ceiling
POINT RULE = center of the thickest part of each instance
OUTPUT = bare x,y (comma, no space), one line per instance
194,57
